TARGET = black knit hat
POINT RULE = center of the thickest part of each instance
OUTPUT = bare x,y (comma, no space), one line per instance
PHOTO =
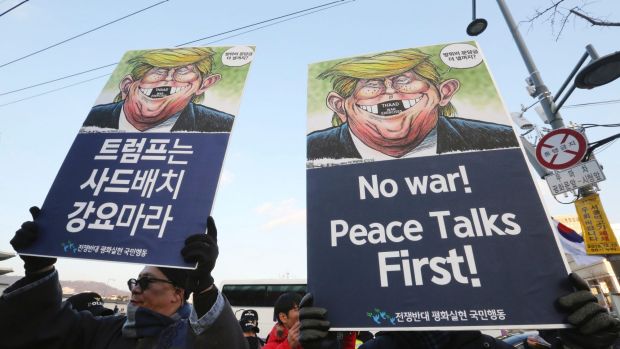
90,301
249,320
177,276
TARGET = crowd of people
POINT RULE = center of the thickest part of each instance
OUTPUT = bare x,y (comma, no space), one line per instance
33,315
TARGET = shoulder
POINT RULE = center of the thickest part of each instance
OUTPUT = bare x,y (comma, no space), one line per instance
104,115
465,124
334,142
222,332
466,134
211,120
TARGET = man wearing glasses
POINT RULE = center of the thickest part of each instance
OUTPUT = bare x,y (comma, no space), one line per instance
394,105
158,315
162,94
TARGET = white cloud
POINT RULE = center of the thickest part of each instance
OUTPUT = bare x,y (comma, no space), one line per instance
226,177
281,213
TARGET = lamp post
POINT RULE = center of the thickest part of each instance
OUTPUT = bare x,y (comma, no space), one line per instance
600,71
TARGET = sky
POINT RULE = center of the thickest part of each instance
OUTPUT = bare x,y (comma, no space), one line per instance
260,205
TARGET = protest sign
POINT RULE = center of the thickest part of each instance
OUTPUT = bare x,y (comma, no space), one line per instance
422,213
141,175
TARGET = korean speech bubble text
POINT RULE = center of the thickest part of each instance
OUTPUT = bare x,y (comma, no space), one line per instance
461,56
237,56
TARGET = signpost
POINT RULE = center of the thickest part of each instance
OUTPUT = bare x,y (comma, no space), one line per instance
561,149
141,175
419,218
584,174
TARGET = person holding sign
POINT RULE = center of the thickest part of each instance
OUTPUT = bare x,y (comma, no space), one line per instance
158,315
395,105
161,94
594,328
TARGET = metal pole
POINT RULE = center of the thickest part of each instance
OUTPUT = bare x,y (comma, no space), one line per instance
473,10
542,92
592,52
546,99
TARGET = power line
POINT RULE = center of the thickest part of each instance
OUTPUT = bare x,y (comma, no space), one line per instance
301,13
278,22
54,90
14,7
211,42
79,35
257,23
611,101
54,80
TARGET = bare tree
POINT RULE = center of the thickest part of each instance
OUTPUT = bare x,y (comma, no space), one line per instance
560,12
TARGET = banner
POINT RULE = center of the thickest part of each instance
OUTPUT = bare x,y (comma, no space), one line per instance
598,234
422,213
141,175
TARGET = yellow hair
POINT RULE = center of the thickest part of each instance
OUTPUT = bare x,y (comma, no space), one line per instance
201,57
346,74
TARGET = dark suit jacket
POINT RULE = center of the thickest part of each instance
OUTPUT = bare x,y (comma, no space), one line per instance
194,117
453,134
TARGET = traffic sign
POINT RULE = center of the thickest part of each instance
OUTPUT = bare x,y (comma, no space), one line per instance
561,149
586,173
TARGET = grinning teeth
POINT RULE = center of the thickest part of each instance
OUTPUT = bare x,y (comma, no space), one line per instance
147,91
406,103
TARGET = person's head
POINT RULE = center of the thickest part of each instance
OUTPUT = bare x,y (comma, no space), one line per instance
90,301
286,309
163,82
249,322
391,100
159,289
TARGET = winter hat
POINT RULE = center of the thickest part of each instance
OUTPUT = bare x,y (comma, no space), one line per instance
177,276
90,301
249,321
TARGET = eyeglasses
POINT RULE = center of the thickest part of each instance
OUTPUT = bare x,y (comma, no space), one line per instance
180,74
145,281
404,83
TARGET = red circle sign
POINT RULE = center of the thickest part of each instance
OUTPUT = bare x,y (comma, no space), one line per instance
561,149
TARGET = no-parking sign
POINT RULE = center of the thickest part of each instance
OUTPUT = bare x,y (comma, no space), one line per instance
561,149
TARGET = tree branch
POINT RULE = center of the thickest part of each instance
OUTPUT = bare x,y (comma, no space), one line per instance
595,21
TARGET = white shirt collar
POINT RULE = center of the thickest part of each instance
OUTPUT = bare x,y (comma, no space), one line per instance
426,148
165,126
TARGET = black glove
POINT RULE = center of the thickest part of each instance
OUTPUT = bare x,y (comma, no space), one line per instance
25,237
201,249
314,323
594,327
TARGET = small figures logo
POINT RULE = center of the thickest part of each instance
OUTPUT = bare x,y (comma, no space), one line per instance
379,317
69,246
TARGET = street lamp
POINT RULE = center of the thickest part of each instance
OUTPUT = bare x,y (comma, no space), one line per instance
600,71
477,25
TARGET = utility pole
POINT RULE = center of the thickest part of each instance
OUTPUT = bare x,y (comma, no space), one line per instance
549,107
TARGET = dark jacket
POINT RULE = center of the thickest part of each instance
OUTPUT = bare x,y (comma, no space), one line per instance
424,340
194,118
32,315
453,134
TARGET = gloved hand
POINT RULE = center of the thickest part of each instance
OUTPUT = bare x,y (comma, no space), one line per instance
201,249
25,237
314,323
594,327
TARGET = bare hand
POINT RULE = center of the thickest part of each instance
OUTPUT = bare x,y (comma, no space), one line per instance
293,336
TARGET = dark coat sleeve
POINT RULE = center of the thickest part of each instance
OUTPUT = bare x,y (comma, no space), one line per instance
225,332
32,315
